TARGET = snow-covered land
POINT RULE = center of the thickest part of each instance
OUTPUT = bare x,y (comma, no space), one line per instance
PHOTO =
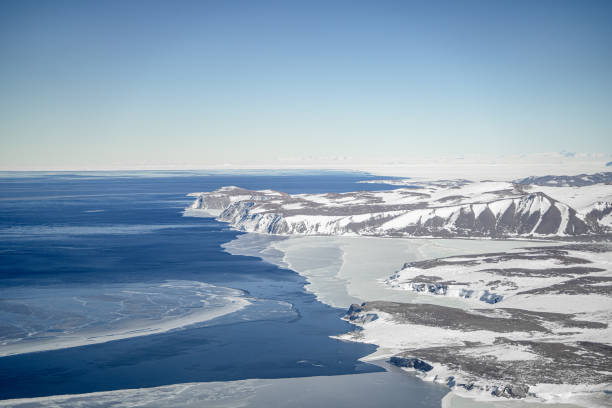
543,335
455,208
557,275
494,320
535,323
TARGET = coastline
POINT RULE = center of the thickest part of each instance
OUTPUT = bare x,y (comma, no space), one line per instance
362,262
354,278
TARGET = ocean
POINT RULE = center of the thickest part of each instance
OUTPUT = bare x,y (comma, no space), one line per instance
104,285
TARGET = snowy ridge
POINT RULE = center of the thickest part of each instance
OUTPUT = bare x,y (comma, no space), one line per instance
463,209
565,181
533,214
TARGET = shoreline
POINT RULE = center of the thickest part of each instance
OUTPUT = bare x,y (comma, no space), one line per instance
455,398
356,267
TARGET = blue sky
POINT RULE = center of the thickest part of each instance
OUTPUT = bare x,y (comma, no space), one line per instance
124,83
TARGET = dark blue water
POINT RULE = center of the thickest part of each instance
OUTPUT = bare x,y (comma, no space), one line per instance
226,350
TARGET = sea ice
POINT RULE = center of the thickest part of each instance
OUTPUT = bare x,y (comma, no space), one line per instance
55,317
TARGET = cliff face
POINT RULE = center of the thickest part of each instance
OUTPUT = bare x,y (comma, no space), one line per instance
532,214
403,212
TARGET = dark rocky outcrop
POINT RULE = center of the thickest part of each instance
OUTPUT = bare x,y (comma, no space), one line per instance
511,391
411,362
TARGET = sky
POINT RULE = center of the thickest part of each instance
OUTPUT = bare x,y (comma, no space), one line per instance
121,84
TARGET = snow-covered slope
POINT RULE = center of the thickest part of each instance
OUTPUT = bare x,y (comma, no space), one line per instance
533,214
446,208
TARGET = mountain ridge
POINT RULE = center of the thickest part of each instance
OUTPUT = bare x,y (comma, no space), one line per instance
485,209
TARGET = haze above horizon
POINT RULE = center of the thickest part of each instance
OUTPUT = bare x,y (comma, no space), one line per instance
115,84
